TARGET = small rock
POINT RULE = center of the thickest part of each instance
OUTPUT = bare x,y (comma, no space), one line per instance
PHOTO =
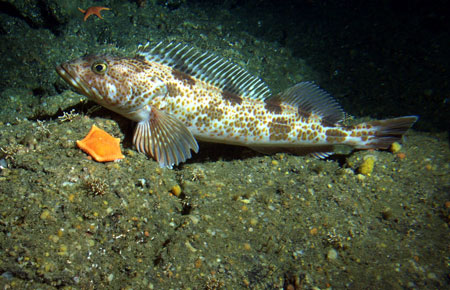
332,254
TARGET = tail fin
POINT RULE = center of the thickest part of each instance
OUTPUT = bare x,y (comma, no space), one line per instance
386,132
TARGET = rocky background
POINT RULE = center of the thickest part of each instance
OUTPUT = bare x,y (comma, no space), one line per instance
229,218
380,59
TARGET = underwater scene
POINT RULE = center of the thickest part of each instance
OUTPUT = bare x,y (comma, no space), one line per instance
182,144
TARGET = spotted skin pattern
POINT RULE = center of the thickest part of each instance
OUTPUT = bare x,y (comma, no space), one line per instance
133,87
209,114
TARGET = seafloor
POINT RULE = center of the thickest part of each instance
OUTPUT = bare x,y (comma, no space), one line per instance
229,218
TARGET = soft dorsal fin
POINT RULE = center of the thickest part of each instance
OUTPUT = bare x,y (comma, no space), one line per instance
309,98
207,67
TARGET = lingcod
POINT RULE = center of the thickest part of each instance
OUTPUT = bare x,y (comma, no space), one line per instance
178,94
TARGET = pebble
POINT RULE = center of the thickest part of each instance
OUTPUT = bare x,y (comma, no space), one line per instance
332,254
45,214
176,190
395,147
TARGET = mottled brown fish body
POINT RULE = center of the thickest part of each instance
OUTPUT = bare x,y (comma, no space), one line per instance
178,95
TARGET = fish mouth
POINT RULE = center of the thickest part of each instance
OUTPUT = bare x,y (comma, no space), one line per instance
68,73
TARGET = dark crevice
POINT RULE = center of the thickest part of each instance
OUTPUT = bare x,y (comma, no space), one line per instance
50,21
159,257
12,11
187,207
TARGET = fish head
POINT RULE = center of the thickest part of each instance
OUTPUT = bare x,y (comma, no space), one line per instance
116,83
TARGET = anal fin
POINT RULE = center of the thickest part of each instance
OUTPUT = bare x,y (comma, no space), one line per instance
165,138
320,151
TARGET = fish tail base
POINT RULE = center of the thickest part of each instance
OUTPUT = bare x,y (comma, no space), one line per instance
386,132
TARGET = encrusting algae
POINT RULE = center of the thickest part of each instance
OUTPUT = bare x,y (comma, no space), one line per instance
395,147
367,165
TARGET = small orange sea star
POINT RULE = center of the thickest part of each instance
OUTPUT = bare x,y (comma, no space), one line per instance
101,146
93,10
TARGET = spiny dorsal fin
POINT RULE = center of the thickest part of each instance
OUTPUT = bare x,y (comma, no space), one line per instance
207,67
309,98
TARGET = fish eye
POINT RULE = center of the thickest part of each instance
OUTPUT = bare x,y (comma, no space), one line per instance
99,67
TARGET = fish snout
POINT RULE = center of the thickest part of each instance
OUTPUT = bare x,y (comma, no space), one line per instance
68,73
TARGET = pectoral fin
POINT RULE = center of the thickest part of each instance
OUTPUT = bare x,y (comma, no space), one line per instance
165,138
